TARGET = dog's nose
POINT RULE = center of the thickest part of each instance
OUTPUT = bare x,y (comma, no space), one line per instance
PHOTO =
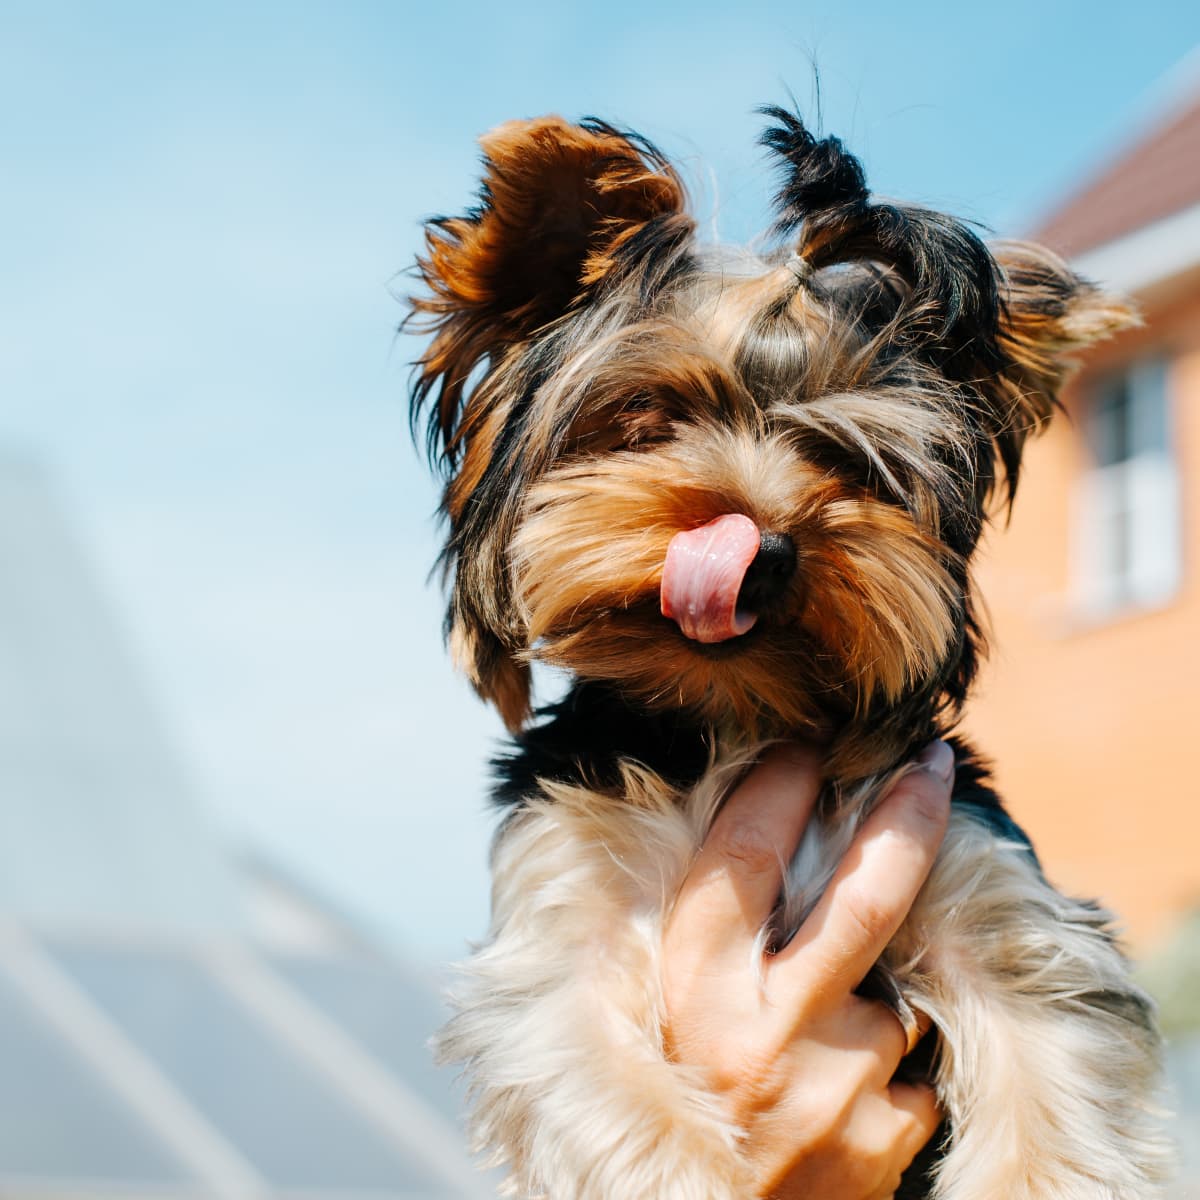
769,573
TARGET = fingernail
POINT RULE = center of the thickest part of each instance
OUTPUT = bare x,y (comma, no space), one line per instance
938,759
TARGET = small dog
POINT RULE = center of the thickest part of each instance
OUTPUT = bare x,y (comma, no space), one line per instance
736,495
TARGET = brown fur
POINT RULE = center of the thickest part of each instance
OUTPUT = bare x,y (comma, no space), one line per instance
560,201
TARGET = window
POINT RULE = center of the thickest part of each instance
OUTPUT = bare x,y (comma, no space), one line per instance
1127,520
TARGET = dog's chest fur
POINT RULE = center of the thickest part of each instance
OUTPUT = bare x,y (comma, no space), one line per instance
560,1015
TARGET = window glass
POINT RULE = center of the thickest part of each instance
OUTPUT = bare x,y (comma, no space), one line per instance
1147,389
1110,423
1128,534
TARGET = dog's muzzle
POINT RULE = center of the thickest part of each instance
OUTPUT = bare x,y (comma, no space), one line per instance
718,578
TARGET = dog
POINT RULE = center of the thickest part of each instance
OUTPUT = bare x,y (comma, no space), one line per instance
735,495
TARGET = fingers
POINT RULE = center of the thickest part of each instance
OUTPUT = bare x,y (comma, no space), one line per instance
889,1035
885,1132
734,883
877,881
917,1108
878,1026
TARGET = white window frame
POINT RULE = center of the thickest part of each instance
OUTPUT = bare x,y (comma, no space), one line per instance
1127,552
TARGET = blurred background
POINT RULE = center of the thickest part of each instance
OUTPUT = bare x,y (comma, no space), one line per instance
242,798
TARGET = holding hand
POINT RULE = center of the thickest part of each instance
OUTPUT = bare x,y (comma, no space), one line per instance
802,1064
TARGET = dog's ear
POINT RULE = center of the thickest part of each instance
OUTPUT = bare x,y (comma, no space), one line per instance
488,661
563,209
559,206
1047,313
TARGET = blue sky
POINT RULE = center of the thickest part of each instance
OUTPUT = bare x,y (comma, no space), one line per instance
205,209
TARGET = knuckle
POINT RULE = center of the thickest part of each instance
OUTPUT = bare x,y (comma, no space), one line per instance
918,1129
825,1130
869,915
877,1162
748,1073
928,806
750,845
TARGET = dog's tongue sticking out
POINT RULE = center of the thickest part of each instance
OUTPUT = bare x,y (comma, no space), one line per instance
703,575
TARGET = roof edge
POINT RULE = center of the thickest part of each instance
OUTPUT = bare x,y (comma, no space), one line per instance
1168,97
1147,257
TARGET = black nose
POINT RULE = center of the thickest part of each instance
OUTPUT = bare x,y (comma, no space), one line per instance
769,574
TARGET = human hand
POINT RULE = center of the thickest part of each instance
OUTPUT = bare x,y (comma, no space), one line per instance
801,1064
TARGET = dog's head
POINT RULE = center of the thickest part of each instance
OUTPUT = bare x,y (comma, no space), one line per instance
743,485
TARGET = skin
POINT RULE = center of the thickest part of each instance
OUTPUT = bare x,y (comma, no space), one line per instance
801,1064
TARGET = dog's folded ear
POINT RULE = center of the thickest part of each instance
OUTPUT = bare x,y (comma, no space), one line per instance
1048,312
492,666
1004,319
563,211
560,209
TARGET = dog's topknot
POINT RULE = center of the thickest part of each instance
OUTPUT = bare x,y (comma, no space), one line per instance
819,173
824,197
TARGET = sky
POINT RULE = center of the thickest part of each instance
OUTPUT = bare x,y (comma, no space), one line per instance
207,212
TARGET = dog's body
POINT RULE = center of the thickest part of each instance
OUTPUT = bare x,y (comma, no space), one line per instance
737,496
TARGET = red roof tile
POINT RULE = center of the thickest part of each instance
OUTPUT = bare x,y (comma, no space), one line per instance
1157,176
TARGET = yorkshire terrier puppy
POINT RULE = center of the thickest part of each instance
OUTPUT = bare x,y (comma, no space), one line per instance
736,495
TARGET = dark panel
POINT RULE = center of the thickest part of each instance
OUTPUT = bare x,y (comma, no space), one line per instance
281,1114
387,1012
59,1120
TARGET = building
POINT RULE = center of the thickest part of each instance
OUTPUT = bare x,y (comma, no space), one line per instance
175,1020
1091,700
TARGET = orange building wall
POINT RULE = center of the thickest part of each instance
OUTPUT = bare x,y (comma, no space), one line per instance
1095,731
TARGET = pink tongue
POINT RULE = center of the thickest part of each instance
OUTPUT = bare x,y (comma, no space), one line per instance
703,575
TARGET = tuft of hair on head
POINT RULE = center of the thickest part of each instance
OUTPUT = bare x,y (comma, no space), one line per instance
560,210
819,173
950,314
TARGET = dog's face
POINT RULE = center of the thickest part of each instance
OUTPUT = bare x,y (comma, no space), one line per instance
747,486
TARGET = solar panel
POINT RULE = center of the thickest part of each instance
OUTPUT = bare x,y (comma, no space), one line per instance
283,1116
58,1120
387,1011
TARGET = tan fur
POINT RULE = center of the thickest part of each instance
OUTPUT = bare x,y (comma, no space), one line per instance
1051,1092
570,1086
